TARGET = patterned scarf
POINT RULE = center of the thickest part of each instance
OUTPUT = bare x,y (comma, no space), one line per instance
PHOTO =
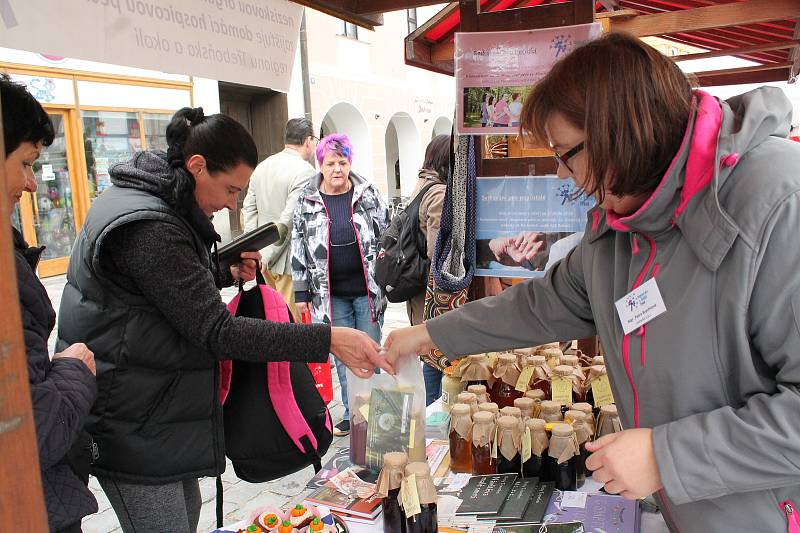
453,262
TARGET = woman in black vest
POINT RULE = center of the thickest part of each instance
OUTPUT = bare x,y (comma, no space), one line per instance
143,290
62,390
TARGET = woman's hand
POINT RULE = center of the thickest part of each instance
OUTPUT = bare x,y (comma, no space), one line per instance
302,307
626,463
82,353
245,270
408,342
358,351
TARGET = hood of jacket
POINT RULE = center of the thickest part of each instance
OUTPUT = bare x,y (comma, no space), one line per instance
149,171
718,134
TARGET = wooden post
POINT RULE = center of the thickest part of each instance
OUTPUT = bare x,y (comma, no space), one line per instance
21,499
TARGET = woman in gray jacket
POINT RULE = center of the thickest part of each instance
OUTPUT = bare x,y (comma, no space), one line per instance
687,272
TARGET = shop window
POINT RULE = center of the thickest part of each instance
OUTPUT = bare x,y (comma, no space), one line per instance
109,137
155,130
52,203
348,29
412,19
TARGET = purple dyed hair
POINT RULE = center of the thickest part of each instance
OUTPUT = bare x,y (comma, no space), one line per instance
337,143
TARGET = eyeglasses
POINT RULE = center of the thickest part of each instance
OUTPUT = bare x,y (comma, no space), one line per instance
562,159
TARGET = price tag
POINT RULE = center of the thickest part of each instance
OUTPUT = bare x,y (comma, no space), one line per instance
601,390
526,445
412,428
47,173
493,359
364,410
524,379
494,445
553,361
575,499
562,391
409,498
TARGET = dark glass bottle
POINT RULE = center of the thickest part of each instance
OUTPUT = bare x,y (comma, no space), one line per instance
541,375
426,521
595,371
460,438
482,438
582,434
509,460
506,374
476,370
562,443
539,443
358,431
389,480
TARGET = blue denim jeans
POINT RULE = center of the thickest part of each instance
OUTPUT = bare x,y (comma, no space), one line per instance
433,383
352,313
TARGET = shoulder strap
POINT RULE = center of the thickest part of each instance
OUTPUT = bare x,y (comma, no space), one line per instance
413,215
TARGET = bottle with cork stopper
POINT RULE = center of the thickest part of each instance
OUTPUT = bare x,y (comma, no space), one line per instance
421,519
483,429
460,438
388,486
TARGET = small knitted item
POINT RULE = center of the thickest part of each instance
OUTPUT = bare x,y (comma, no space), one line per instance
453,264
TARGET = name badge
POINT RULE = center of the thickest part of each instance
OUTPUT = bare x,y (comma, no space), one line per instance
640,306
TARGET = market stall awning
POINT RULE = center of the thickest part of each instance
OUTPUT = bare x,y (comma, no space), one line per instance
762,31
365,13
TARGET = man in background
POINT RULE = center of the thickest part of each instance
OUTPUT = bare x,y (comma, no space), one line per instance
274,187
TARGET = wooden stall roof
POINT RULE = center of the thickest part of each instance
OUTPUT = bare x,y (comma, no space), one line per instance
762,31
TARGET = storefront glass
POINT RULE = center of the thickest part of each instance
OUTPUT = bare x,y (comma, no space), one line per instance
109,137
53,210
155,130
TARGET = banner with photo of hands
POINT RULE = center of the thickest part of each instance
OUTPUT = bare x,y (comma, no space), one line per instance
527,223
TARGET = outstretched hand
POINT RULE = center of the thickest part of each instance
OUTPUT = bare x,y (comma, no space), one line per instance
406,342
626,463
358,352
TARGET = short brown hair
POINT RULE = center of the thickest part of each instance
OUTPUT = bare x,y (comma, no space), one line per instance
632,102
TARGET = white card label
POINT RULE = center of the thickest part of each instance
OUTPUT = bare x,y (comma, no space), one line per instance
640,306
571,498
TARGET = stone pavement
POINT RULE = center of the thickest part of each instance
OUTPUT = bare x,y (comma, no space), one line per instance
240,497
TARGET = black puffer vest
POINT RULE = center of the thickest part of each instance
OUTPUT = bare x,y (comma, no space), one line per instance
157,418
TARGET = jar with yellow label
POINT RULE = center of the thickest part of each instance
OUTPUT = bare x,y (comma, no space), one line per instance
452,386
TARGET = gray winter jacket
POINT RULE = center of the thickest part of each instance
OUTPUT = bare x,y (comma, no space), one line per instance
717,375
311,240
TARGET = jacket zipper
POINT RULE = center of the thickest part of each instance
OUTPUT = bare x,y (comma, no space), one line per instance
361,253
792,518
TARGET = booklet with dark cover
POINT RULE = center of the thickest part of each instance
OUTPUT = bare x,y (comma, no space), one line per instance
517,500
536,506
485,494
251,241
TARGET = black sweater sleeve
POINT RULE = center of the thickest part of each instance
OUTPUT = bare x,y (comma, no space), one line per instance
158,261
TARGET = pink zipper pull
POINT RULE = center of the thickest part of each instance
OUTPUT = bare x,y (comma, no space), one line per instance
792,517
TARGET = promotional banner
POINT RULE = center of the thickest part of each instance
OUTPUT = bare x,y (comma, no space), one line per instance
495,70
527,223
252,42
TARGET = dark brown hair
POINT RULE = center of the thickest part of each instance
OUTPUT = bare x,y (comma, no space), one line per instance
632,102
437,156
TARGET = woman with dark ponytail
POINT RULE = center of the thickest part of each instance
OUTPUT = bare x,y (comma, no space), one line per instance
143,293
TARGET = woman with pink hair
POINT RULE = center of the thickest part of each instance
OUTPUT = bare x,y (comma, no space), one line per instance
337,222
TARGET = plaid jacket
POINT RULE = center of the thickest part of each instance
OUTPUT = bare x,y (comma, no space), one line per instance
311,240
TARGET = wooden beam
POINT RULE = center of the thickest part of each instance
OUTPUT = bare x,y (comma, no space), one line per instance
744,50
703,18
21,498
738,76
341,9
418,50
364,7
536,17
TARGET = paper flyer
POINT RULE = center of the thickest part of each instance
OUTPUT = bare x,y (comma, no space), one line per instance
526,224
495,70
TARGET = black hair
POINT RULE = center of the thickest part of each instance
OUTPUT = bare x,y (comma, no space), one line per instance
298,130
220,139
24,119
437,156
